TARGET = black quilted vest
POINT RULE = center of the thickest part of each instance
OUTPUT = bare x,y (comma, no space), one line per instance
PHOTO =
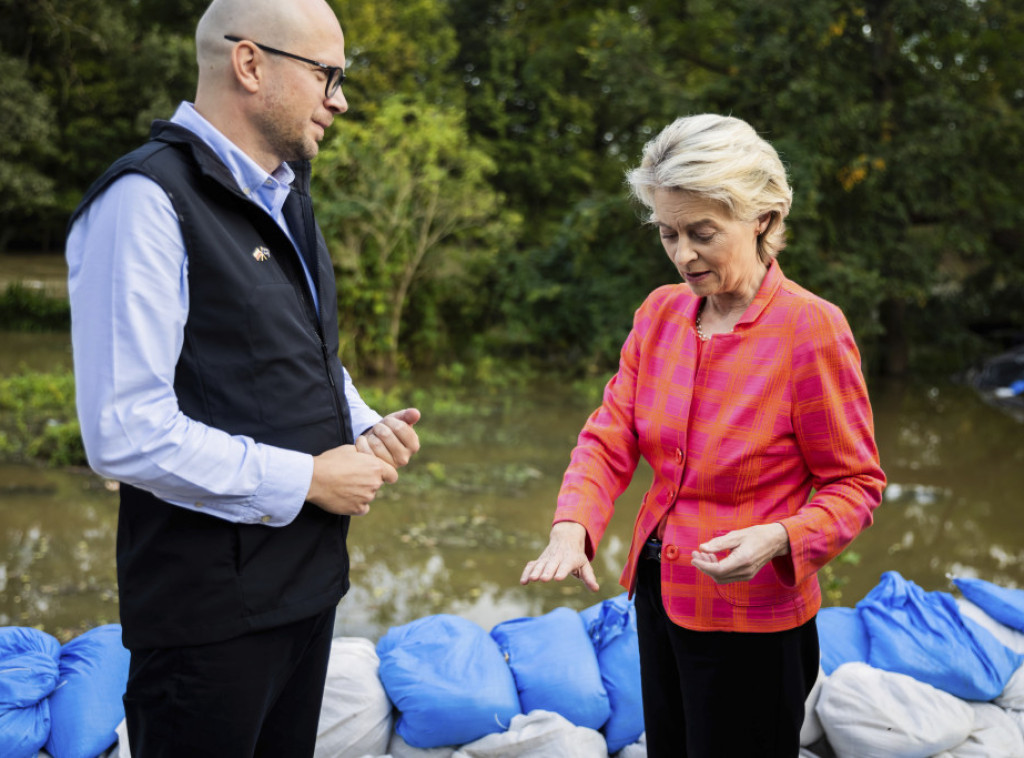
256,361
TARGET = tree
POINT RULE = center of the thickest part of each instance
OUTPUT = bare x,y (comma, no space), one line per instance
402,198
25,131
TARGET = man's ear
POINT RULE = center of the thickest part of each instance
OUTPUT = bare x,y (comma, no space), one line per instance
247,65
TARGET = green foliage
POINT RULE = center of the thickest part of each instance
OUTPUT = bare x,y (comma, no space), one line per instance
29,310
37,419
91,76
473,194
833,580
403,196
25,132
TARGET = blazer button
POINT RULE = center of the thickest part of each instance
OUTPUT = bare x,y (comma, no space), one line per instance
679,455
671,552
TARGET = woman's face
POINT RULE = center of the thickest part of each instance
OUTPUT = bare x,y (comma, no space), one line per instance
713,252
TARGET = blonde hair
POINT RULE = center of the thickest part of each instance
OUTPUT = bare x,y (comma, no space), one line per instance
721,158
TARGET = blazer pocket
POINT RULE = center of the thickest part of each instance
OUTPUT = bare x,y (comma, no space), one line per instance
764,589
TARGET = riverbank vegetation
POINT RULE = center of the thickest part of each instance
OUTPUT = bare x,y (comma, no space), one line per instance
473,195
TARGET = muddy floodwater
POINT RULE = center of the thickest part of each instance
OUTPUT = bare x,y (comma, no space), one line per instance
453,534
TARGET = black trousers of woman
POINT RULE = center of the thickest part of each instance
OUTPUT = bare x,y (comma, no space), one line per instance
720,694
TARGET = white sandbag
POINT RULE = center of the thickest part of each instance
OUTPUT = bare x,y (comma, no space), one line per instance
399,748
538,734
812,730
995,734
123,750
1013,693
356,715
637,749
870,713
1005,634
1017,717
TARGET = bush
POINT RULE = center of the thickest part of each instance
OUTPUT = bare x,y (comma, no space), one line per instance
38,421
27,310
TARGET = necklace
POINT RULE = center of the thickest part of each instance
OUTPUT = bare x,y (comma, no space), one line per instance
700,331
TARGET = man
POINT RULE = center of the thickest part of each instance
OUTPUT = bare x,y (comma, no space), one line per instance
204,329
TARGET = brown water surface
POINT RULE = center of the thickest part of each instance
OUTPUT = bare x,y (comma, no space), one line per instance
453,534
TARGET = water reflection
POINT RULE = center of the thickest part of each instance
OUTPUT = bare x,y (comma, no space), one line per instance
453,535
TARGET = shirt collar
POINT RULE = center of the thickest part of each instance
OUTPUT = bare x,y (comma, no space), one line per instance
269,191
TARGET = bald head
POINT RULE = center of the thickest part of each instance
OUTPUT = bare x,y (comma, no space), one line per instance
280,24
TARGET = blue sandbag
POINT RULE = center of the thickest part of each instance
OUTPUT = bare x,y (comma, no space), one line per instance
555,666
448,680
922,634
28,674
1003,604
842,638
611,626
86,706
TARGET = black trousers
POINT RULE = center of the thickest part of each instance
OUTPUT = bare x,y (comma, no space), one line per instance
720,694
252,696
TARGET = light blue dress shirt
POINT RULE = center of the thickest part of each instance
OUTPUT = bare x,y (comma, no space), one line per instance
128,285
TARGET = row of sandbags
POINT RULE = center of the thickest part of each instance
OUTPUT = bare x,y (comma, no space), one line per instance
914,673
441,684
66,699
562,684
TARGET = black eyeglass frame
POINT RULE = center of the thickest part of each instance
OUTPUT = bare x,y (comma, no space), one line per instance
331,86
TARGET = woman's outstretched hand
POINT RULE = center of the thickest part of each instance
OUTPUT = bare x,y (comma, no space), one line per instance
564,555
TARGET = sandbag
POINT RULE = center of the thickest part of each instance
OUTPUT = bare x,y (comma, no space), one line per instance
611,626
29,671
123,748
1003,604
555,666
448,680
870,713
842,638
539,734
399,748
922,634
1012,696
86,705
636,749
811,731
995,733
356,714
1009,637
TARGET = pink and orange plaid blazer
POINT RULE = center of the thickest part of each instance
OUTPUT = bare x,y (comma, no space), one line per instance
739,431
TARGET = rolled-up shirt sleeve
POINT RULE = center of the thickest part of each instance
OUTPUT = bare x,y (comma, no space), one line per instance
128,288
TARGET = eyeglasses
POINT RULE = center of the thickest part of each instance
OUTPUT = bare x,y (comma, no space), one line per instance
335,74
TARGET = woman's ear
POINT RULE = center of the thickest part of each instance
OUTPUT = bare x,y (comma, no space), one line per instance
764,221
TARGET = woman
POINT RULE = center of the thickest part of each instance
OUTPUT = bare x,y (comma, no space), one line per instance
744,393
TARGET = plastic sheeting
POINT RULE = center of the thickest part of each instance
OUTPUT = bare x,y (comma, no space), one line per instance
555,666
448,680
